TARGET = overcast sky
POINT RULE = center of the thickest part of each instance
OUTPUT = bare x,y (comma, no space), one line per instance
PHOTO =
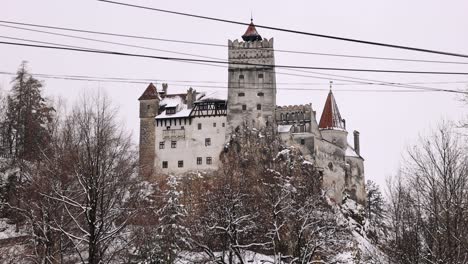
388,122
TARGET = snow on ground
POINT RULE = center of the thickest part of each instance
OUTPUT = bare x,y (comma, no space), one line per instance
7,230
249,257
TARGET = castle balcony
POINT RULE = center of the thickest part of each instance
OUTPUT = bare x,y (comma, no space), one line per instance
174,134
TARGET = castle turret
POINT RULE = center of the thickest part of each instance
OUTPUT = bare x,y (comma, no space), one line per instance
149,106
332,126
252,81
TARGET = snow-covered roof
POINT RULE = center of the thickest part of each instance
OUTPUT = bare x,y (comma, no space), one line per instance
284,128
218,95
177,102
172,101
350,152
182,113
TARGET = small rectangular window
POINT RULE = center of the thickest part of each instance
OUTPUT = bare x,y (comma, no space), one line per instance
214,124
199,126
180,164
199,160
241,77
224,125
164,164
209,160
244,107
302,141
241,94
161,145
170,110
260,94
148,106
259,107
260,75
207,141
173,144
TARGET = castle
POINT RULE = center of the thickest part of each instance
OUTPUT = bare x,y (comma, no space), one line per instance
187,132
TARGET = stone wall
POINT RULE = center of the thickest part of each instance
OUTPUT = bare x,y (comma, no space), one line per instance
148,112
251,88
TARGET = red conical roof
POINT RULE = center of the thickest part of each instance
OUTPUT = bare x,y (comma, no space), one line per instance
150,93
251,34
331,117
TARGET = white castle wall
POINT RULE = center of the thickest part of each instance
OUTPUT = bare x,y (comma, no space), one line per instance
192,145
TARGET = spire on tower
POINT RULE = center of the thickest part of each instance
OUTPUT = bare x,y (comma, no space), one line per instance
150,93
331,117
251,34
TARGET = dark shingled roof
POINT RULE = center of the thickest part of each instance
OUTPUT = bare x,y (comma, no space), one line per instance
251,34
331,118
150,93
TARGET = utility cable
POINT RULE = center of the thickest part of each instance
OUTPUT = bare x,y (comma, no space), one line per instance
220,45
232,63
291,30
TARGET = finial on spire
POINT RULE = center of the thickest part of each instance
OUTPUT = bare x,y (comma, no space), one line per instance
251,34
331,83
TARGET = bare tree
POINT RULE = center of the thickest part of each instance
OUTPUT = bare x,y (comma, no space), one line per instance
95,165
429,209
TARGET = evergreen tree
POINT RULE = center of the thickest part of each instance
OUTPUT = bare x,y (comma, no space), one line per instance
173,233
28,115
375,203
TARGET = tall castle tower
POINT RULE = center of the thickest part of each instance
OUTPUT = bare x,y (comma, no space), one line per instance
251,88
149,106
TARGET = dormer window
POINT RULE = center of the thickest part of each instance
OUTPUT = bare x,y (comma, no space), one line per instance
170,110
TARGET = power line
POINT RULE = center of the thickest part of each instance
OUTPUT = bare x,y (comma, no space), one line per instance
378,82
109,42
290,30
214,44
188,83
315,77
235,63
61,77
196,82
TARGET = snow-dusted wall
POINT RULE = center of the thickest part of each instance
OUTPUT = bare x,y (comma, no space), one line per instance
342,168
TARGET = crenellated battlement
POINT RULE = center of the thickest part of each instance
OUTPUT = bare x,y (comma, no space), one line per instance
251,52
301,107
264,44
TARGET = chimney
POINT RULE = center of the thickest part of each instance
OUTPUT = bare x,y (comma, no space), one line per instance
356,142
190,98
164,86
